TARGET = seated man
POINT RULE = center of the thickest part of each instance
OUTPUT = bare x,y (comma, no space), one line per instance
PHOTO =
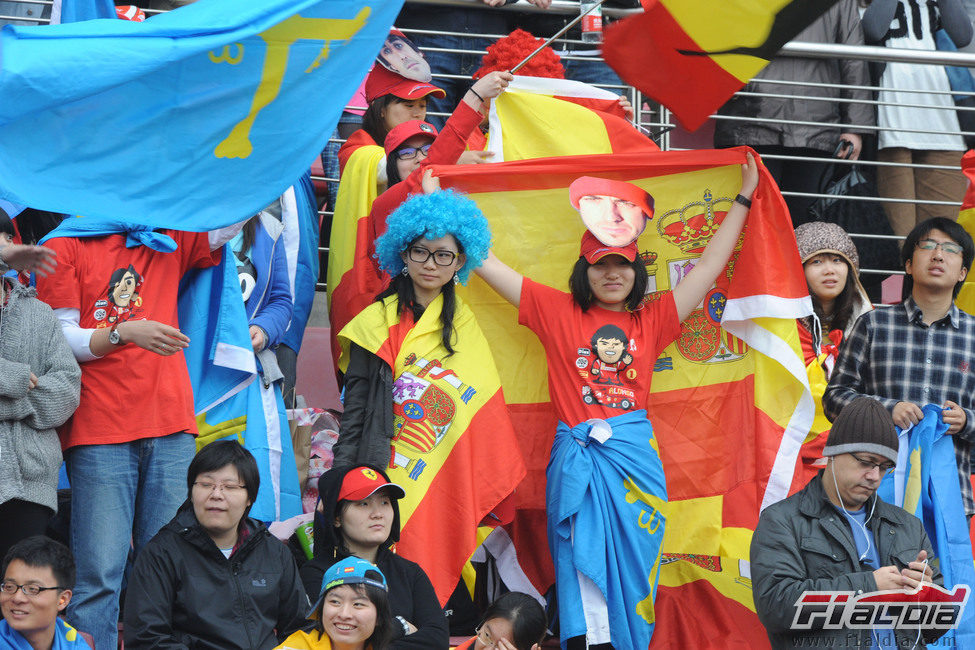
38,575
836,536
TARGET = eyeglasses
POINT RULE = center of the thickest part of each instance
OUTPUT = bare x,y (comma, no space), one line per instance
441,257
485,638
226,488
947,246
409,153
867,465
10,587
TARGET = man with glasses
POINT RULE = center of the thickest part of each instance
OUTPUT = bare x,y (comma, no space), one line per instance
835,535
921,351
38,576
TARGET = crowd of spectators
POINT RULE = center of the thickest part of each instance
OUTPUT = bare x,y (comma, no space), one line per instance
91,370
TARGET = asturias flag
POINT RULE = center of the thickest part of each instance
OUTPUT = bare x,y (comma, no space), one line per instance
730,401
925,484
194,119
692,56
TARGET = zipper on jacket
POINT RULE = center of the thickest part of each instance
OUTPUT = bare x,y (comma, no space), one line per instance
235,571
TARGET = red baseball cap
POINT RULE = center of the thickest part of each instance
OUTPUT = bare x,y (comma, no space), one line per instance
362,482
590,185
405,131
594,250
385,82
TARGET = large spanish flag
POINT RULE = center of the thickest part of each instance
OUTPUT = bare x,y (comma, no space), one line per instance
730,401
455,452
692,56
966,217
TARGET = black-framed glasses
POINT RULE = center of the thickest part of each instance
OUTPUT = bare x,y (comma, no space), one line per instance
441,257
867,465
409,153
946,246
9,587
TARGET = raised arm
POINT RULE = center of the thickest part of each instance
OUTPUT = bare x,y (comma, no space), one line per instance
691,290
502,278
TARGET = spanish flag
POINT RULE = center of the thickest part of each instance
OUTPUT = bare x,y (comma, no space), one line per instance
351,279
730,401
692,56
966,217
540,117
455,452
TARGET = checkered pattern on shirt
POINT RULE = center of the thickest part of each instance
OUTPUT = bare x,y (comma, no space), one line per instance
893,356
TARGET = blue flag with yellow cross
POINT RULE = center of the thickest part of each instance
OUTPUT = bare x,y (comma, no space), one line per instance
192,120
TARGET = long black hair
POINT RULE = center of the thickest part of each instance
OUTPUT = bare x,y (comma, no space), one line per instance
582,291
382,635
844,305
401,286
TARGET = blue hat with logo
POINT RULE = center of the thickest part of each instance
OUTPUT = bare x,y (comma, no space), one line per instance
353,571
350,571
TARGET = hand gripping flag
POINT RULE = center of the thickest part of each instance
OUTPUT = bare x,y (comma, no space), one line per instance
925,484
730,402
455,452
692,56
193,119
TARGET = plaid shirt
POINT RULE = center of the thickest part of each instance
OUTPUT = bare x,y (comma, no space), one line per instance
892,356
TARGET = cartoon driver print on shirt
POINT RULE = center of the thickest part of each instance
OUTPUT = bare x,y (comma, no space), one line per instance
124,301
604,365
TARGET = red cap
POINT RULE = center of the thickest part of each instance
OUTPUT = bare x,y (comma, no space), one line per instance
384,82
594,250
403,132
590,185
362,482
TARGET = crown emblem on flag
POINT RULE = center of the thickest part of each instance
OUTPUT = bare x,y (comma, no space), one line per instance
691,226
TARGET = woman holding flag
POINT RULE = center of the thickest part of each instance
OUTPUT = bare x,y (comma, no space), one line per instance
603,479
422,395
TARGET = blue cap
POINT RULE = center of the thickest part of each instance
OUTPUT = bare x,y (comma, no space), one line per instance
352,571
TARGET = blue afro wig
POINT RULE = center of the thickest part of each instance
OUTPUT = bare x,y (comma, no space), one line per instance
434,216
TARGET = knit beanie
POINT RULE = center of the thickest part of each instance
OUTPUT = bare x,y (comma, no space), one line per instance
864,425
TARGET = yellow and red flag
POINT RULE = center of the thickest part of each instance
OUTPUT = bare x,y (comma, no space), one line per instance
692,56
540,117
730,401
455,452
966,217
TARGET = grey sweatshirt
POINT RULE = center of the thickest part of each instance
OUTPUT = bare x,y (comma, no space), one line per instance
30,452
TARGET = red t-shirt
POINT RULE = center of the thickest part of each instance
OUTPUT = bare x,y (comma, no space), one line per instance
600,362
131,393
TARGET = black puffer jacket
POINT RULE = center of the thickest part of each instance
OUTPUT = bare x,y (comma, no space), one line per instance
411,594
183,593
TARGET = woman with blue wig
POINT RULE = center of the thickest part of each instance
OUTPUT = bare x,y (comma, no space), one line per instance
422,395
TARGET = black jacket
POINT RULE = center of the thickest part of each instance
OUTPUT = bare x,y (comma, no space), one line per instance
804,544
411,594
367,419
183,593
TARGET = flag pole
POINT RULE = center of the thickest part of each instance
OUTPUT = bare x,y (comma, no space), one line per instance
559,33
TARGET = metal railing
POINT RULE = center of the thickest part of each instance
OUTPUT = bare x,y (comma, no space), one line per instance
656,119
